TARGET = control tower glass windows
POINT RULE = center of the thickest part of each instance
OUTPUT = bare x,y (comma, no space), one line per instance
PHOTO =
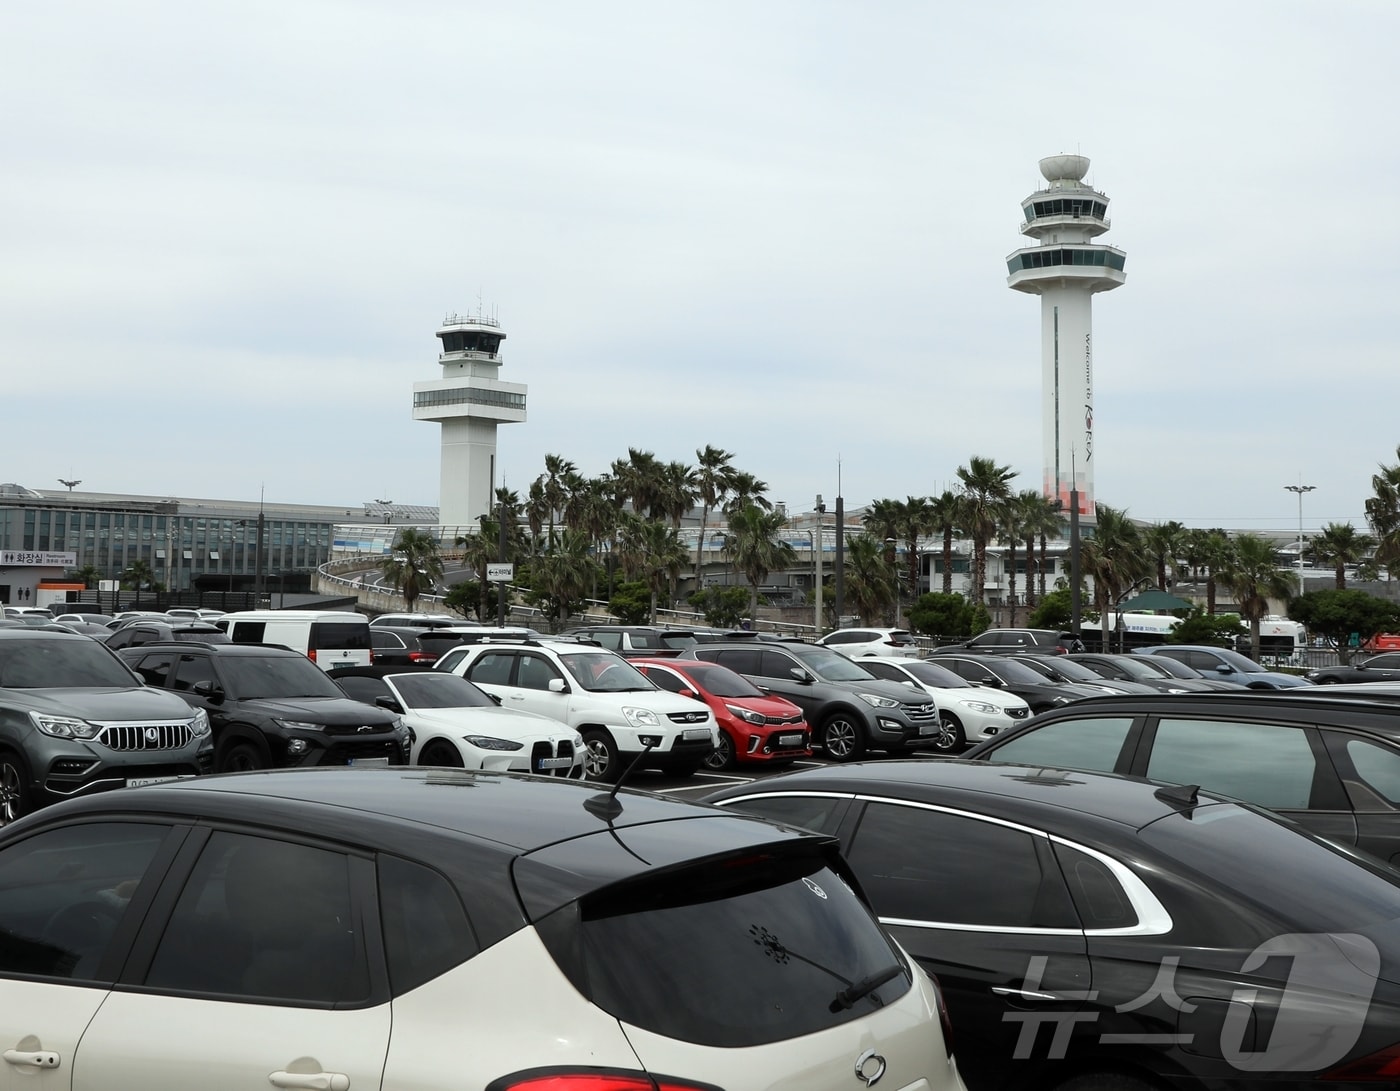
1044,259
1067,206
470,341
423,399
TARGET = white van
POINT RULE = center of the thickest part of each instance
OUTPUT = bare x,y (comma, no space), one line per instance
329,638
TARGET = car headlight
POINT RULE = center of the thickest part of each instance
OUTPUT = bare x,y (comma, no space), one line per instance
199,723
980,706
640,717
487,742
300,725
878,701
748,715
64,727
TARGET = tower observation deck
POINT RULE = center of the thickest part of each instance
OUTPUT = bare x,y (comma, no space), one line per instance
1065,268
470,402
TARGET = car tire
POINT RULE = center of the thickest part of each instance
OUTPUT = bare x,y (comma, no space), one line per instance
602,761
240,757
842,737
442,755
952,738
14,787
1105,1081
722,757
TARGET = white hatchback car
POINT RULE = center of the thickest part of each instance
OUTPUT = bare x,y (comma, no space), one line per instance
622,715
969,713
859,643
458,726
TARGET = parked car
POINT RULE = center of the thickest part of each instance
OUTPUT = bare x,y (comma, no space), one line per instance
271,706
1010,641
440,929
1328,759
457,725
1062,668
966,713
143,631
417,621
622,716
1225,663
82,617
1376,668
755,727
74,720
1141,669
1004,672
1168,667
329,638
1094,933
19,613
850,710
399,646
1382,642
857,643
633,641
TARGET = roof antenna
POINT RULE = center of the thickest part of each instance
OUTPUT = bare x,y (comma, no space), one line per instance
608,807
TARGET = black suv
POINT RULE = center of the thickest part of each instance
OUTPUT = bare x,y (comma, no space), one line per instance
271,706
74,720
162,632
1012,641
850,710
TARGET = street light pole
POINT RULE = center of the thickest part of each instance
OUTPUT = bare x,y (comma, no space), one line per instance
1300,489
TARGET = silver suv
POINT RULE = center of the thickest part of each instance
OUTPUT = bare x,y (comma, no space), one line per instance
74,720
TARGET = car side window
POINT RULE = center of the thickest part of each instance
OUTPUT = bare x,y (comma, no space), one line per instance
820,813
492,668
845,636
1377,766
266,920
1272,765
449,661
1089,742
948,880
1201,661
426,931
1388,661
120,639
739,660
1099,898
192,669
248,632
606,639
666,680
382,640
883,670
535,672
154,669
776,664
63,893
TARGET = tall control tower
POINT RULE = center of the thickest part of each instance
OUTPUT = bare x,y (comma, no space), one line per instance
469,401
1065,268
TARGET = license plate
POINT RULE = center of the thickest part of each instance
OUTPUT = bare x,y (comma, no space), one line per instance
696,733
789,740
141,782
929,728
368,763
554,763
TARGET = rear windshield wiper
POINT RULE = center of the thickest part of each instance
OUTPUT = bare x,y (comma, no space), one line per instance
864,987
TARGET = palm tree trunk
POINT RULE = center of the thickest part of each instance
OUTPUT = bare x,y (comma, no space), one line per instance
1030,571
947,562
1011,583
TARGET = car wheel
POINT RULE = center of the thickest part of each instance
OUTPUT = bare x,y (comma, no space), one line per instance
1105,1081
442,754
602,760
841,737
14,788
950,738
722,757
241,757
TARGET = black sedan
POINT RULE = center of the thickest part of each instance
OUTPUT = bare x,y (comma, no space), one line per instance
1144,670
1377,668
1096,933
1005,672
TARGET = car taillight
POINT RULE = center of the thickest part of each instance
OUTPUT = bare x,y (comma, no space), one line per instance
943,1020
584,1079
311,654
422,657
1384,1064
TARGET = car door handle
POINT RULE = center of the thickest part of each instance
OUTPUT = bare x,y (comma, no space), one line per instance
311,1081
31,1058
1023,994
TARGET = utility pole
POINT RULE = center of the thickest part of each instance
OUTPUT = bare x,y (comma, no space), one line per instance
501,556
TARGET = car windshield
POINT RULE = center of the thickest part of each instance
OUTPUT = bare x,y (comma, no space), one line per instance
1241,663
680,641
604,672
252,677
1136,668
1075,672
832,666
1168,667
721,681
59,663
931,674
437,690
1017,673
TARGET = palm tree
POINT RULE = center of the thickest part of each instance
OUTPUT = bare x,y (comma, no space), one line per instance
139,574
1383,513
753,545
563,576
1341,546
1164,543
1039,518
1012,512
537,512
89,574
676,495
871,584
985,486
1254,577
414,561
639,480
714,477
945,518
917,522
1115,558
745,490
884,522
479,550
594,514
552,491
651,551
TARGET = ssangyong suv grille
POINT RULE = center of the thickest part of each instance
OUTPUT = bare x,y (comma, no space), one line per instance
920,713
145,736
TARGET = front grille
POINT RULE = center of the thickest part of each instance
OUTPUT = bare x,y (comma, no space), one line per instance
371,730
778,721
697,717
145,736
543,749
919,713
1018,713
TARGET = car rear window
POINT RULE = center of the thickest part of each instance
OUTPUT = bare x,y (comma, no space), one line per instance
737,953
338,634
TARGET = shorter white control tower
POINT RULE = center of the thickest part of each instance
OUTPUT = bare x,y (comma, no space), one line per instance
469,401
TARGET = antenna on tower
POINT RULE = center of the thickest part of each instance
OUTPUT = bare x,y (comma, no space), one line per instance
70,482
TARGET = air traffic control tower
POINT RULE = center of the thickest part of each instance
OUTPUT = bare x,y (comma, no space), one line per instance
1065,268
469,401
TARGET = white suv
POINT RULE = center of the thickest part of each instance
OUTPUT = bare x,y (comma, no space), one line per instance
619,711
893,643
969,714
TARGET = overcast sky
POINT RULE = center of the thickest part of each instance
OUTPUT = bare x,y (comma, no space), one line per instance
229,232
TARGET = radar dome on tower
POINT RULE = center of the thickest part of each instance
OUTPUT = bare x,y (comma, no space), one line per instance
1064,168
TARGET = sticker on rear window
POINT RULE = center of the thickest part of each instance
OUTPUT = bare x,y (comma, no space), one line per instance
811,885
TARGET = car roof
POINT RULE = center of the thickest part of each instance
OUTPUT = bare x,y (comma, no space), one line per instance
222,648
1353,705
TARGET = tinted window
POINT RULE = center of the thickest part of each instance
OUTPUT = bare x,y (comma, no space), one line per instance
492,668
256,676
536,672
845,637
248,632
666,954
1268,764
192,669
665,679
604,672
338,634
820,813
1098,896
267,920
739,660
426,932
154,669
41,661
1377,766
380,639
63,893
924,865
610,640
1093,742
451,659
721,681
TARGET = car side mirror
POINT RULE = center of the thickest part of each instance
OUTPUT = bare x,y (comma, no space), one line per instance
389,703
802,676
1225,668
210,691
558,685
495,697
992,681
